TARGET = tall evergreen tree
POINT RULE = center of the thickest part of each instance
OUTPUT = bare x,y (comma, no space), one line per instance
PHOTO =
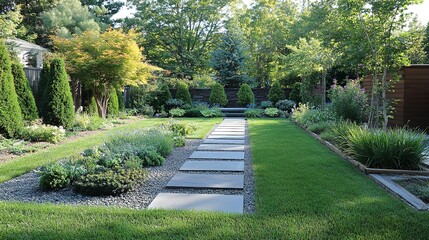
45,74
10,112
218,95
228,61
276,93
23,90
59,108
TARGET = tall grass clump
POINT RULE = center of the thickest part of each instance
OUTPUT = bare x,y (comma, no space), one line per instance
391,149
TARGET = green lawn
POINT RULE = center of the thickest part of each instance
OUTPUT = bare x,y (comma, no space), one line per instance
303,191
21,165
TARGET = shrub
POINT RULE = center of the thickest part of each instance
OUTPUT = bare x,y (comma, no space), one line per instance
349,102
54,176
59,108
285,105
253,113
295,94
43,133
177,112
179,128
163,96
92,108
276,93
146,110
84,122
314,116
212,112
321,127
245,95
218,95
174,103
266,104
45,74
391,149
23,91
272,112
194,112
299,111
179,141
121,103
110,182
113,104
183,93
10,112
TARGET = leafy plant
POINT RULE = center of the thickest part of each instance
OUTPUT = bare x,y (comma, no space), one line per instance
54,176
349,102
179,128
177,112
45,133
266,104
285,105
253,113
272,112
175,103
218,95
212,112
245,95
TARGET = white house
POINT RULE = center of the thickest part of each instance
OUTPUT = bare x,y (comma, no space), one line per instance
30,54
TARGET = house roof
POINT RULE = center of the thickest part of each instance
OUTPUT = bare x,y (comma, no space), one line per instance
24,44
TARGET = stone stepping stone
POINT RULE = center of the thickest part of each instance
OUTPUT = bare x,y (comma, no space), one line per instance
220,181
227,133
223,141
199,202
217,155
230,129
226,137
230,166
221,147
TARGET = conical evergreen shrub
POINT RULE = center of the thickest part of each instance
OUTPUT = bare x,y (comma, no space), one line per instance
245,95
10,112
59,108
218,95
164,96
183,93
45,74
113,105
92,108
25,96
276,93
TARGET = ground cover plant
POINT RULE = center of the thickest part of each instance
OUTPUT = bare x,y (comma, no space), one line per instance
416,186
319,196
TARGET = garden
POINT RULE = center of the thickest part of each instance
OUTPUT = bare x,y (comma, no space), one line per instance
210,119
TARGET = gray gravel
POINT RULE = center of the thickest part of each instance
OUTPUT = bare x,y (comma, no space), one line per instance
25,187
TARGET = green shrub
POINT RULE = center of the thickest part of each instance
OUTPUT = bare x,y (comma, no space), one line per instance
44,133
92,107
113,104
121,104
175,103
145,110
295,94
110,182
183,93
179,141
266,104
177,112
391,149
349,102
272,112
45,74
299,112
285,105
179,128
10,113
163,96
218,95
59,108
245,95
212,112
194,112
23,91
84,122
276,93
253,113
314,116
54,176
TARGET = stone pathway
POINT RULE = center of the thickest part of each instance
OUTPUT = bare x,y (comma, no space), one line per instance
221,159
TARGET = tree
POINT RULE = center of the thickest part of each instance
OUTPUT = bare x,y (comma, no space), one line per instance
178,35
104,61
183,93
59,108
276,93
426,43
23,91
42,101
10,112
228,61
245,95
218,95
103,10
10,23
67,18
113,105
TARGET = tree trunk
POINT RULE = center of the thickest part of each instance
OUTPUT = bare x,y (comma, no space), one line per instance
385,106
102,100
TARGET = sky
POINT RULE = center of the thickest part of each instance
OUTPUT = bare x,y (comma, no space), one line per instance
421,10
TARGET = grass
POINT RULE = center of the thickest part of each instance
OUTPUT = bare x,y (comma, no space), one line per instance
21,165
303,191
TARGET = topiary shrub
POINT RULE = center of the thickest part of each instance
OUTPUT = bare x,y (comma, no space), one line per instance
45,74
218,95
92,108
183,93
113,104
23,91
295,94
59,108
276,93
10,112
245,95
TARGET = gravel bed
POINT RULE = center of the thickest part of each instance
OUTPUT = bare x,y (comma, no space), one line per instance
25,187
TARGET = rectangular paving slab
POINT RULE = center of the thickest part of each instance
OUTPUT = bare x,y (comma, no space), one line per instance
235,129
226,137
199,202
217,155
221,181
215,132
230,166
223,141
221,147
